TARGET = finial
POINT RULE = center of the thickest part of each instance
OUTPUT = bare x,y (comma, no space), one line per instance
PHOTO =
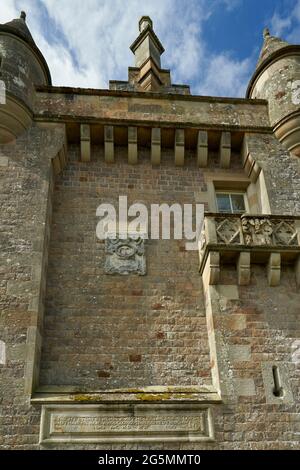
144,22
23,15
266,33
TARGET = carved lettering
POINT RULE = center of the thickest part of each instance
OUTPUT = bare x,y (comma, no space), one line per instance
75,424
125,423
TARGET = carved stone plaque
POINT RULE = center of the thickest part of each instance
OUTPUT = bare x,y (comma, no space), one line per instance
125,423
257,231
228,231
125,256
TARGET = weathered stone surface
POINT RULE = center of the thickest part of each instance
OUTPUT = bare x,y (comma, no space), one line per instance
146,345
202,149
285,396
245,387
240,353
3,161
22,67
277,80
125,256
157,109
105,319
260,239
243,268
155,146
125,424
2,353
257,231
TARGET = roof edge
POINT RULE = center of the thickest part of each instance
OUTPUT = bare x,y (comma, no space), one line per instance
143,94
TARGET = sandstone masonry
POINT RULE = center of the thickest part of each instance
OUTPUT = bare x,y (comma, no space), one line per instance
173,349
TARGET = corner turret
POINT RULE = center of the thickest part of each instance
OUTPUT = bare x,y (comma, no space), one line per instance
22,66
277,79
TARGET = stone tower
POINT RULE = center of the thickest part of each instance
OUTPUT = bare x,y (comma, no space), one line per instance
146,343
277,79
22,66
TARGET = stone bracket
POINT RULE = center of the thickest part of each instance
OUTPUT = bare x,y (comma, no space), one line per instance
85,142
59,162
155,146
225,150
109,144
243,268
211,271
210,265
297,270
132,146
202,149
274,268
252,168
179,147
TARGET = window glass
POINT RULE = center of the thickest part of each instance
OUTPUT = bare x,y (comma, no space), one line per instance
231,202
237,202
223,201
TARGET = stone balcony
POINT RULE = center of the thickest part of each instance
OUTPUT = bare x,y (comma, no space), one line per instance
249,239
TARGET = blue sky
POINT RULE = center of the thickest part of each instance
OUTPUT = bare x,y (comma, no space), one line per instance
212,45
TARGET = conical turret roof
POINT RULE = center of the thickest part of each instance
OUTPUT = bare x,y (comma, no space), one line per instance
20,26
271,44
272,48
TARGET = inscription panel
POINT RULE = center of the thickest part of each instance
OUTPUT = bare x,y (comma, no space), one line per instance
125,423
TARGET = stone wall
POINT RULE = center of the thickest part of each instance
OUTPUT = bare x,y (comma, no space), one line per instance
260,327
111,331
103,331
281,173
25,172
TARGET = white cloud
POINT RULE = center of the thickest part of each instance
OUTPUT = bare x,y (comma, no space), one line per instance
279,24
8,11
288,25
294,33
92,38
231,4
226,76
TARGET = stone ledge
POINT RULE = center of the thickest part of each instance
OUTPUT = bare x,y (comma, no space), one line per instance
137,94
71,394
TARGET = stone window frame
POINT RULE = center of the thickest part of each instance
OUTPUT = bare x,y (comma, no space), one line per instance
230,193
239,182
